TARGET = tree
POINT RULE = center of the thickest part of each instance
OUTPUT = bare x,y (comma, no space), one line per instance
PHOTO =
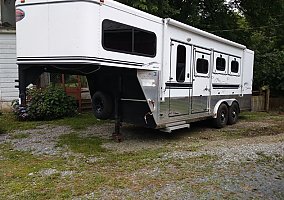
159,8
266,37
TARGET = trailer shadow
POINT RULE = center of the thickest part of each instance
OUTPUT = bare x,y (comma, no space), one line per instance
131,132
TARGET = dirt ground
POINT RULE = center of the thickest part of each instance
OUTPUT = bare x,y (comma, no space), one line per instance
242,161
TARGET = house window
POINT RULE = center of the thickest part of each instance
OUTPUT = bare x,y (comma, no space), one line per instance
235,66
220,64
127,39
202,66
181,59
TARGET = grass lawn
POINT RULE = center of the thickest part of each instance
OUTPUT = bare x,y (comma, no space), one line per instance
8,122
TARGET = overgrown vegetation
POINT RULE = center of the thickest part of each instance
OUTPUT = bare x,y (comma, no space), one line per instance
46,104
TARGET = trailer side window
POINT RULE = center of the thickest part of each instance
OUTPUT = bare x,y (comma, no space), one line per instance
127,39
220,64
202,66
180,67
144,42
235,66
117,36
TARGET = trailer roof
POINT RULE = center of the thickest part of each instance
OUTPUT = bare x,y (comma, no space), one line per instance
203,33
172,22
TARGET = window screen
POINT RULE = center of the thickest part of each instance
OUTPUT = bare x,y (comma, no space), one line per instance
202,66
220,64
180,68
235,66
127,39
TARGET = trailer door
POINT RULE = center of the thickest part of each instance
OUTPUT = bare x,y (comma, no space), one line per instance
179,84
201,81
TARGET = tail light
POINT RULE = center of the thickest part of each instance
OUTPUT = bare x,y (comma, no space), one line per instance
20,14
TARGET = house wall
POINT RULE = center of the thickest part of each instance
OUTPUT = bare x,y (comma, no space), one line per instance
8,69
7,13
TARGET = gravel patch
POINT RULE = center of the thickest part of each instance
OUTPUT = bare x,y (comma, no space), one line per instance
50,172
228,154
167,191
3,138
133,146
41,140
101,131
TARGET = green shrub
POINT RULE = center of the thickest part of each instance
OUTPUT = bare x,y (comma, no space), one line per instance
2,131
46,104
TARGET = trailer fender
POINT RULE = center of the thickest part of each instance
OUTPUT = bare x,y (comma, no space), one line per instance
226,101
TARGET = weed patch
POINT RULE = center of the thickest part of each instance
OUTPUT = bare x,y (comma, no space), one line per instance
84,145
80,122
8,122
252,132
255,116
263,158
2,131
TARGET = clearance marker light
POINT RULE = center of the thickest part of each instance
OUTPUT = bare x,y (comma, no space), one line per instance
20,14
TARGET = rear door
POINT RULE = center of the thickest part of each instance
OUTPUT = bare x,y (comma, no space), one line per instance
201,81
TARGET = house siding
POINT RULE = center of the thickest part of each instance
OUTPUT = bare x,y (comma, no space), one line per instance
8,69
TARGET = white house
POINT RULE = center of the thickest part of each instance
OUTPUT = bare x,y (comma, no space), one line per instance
8,67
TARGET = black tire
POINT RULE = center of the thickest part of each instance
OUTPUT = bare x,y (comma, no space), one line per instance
102,105
222,116
234,112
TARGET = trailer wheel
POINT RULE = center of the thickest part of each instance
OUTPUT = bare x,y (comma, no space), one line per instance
234,112
102,105
222,116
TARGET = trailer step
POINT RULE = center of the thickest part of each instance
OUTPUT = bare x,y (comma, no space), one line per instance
169,128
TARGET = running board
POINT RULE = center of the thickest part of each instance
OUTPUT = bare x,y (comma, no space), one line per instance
175,126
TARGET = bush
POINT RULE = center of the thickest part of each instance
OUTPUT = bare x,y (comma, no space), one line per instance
46,104
2,131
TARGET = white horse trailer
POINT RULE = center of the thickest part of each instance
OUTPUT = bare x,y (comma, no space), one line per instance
142,69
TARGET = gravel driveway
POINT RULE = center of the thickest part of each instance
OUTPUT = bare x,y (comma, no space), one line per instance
207,163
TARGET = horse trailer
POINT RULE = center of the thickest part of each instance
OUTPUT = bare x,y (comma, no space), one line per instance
141,69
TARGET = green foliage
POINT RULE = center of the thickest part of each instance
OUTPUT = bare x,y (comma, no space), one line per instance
2,131
161,8
269,70
46,104
265,16
264,34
